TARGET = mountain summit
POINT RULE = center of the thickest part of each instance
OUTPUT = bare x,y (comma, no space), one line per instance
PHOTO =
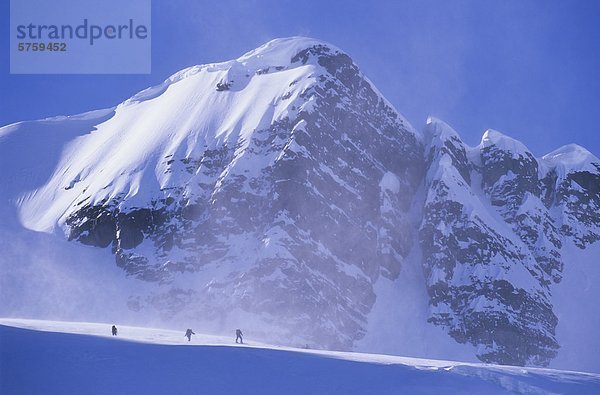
280,188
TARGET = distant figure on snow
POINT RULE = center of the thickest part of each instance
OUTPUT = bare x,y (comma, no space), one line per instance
238,335
114,330
189,334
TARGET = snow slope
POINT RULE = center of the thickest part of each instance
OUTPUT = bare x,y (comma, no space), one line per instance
43,357
127,153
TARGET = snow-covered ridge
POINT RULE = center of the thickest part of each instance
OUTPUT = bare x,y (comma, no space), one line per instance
279,51
62,360
572,157
501,141
568,158
437,131
197,109
182,117
274,55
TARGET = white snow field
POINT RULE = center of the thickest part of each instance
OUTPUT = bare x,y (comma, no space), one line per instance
51,357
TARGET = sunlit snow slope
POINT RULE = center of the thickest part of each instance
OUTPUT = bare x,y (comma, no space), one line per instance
38,357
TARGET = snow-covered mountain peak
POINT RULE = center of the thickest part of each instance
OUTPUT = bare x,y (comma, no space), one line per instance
281,51
199,108
255,183
196,110
436,129
234,75
572,155
502,142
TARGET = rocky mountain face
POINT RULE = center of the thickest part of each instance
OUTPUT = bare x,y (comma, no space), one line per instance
490,247
299,217
279,187
495,220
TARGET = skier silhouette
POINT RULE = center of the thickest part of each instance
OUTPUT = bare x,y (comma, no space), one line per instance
189,334
114,330
238,335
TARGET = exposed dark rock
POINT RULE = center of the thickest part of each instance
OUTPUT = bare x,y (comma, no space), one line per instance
318,203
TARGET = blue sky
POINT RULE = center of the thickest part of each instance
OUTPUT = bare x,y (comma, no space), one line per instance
530,69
